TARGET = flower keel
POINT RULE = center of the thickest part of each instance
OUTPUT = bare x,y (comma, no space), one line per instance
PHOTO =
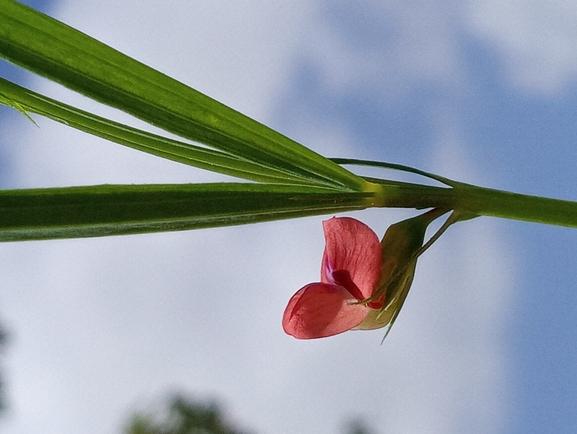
350,271
320,309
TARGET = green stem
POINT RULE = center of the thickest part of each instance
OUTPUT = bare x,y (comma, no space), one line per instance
470,200
498,203
394,166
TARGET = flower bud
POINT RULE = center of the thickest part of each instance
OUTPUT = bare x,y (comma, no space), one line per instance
400,248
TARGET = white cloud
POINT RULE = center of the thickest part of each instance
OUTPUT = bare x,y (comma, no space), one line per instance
538,40
391,46
104,326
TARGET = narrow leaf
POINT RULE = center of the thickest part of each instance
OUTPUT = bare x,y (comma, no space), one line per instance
25,101
63,54
93,211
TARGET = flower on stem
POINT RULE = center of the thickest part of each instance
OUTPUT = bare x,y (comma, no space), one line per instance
364,282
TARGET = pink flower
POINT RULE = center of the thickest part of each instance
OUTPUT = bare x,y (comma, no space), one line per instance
350,273
364,282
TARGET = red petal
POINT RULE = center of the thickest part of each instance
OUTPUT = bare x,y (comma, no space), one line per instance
352,249
319,310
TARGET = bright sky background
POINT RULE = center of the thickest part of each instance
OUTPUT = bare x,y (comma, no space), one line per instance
484,92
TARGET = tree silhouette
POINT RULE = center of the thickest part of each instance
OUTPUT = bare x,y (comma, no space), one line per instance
183,417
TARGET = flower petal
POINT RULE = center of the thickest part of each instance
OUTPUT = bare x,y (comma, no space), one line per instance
319,310
353,251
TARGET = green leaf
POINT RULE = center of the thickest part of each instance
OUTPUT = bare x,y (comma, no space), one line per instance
79,62
93,211
6,100
25,101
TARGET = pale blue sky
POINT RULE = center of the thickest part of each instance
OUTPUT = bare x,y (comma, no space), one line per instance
481,91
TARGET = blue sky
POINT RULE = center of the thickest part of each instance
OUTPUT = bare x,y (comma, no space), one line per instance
483,92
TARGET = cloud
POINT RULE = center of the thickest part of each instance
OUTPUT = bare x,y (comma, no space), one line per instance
537,40
103,326
385,46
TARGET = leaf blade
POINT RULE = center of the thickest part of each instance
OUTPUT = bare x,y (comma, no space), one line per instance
50,48
72,212
25,100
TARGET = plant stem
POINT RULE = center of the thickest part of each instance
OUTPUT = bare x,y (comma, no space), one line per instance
498,203
477,201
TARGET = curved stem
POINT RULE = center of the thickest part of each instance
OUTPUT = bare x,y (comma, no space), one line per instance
394,166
